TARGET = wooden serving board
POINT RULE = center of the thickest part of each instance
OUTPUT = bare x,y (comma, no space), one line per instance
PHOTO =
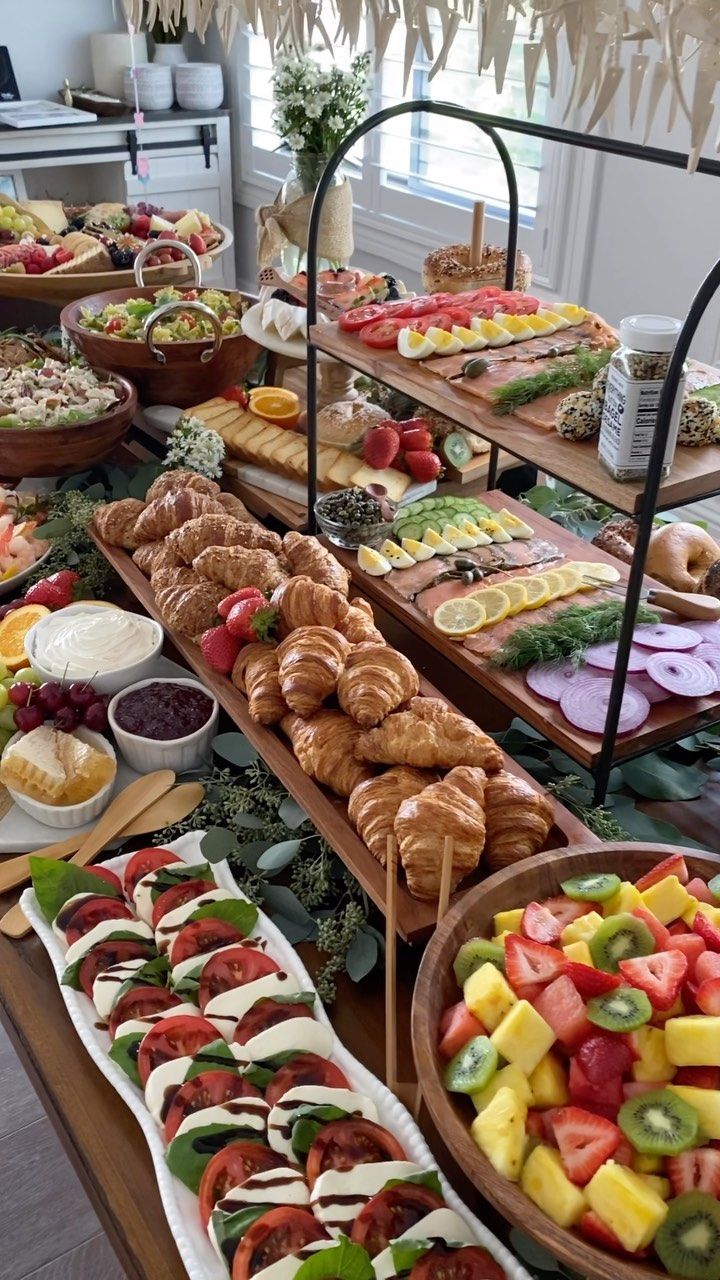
667,721
415,919
695,473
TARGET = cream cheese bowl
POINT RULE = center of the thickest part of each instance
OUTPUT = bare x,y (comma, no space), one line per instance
66,816
102,643
179,754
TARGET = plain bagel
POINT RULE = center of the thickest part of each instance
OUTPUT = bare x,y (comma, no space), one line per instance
680,554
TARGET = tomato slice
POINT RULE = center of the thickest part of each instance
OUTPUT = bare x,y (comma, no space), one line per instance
142,863
209,1089
382,334
233,968
469,1263
140,1002
265,1014
177,896
305,1068
391,1212
92,912
105,954
457,1026
460,315
173,1038
230,1167
275,1235
104,873
353,321
344,1143
200,936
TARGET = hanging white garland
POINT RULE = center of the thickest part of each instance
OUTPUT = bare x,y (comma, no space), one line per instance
673,44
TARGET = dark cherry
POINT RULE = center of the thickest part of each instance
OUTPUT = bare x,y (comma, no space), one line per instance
67,719
95,717
81,694
29,718
51,697
19,693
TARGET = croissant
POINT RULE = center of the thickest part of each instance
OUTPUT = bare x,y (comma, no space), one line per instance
517,817
233,506
172,481
325,749
454,808
311,661
169,512
256,675
155,555
190,610
374,804
429,735
115,522
220,531
309,557
235,567
304,603
179,576
358,625
376,681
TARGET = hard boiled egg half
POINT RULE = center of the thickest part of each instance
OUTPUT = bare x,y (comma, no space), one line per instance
414,346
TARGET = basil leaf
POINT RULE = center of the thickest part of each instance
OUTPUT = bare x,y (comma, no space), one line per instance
231,1227
347,1260
307,1123
429,1178
216,1056
261,1073
237,911
188,1155
56,881
405,1253
152,974
71,976
167,877
124,1052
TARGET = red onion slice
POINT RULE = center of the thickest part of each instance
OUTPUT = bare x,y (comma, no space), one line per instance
642,681
550,679
708,649
706,630
604,656
585,702
662,635
683,674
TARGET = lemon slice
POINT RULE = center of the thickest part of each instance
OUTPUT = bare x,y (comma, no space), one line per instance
555,583
516,594
605,573
571,577
496,604
459,617
538,591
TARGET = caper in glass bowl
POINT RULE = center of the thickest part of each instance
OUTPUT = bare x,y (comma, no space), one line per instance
351,517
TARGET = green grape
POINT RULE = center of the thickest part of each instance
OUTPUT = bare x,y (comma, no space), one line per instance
28,676
5,674
3,697
7,719
8,682
5,736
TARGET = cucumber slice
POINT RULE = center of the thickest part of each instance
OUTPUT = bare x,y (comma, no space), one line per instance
473,1067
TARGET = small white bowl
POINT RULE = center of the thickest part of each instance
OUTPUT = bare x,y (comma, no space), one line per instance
108,682
69,815
179,754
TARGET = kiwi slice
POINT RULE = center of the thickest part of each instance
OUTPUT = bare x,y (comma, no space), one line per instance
620,938
622,1010
456,450
473,1067
659,1123
474,953
714,887
597,888
688,1242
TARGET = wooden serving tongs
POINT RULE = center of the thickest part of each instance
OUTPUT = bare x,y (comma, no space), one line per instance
686,604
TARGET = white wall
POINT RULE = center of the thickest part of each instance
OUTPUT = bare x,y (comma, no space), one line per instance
50,39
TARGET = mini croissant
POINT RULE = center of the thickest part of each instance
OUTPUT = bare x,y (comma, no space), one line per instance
235,567
373,805
220,531
452,808
428,734
517,817
173,481
325,749
358,624
169,512
115,522
304,603
256,674
311,660
309,557
376,681
190,610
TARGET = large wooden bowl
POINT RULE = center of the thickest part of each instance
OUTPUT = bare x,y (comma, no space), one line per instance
61,451
183,380
533,880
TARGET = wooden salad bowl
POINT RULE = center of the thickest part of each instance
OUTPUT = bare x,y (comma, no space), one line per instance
61,451
534,879
184,379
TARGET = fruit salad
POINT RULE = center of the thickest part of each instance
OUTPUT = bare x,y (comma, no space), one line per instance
588,1041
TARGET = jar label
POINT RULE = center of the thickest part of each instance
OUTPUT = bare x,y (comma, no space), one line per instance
629,420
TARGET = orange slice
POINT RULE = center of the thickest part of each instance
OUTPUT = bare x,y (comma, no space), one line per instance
13,630
275,404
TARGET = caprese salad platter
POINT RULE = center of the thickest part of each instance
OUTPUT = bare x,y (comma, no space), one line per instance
278,1155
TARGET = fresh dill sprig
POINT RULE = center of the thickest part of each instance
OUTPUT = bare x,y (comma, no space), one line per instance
566,372
567,636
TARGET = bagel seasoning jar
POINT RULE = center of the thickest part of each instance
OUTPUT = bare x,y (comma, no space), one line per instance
636,375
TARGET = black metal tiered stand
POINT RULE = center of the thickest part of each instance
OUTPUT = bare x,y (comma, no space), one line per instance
489,125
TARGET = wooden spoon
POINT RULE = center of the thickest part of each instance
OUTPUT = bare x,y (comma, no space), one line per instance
126,806
170,808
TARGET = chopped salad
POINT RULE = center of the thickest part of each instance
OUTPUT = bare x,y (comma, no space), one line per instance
126,319
46,393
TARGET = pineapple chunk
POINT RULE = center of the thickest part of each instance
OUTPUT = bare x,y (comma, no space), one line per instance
579,952
544,1180
626,1204
499,1131
693,1041
661,1186
676,1011
508,921
653,1063
647,1164
549,1083
667,900
499,938
627,898
582,929
707,1104
712,913
523,1037
510,1077
488,995
690,912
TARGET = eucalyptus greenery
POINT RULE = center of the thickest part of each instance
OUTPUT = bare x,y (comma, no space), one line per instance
575,511
70,511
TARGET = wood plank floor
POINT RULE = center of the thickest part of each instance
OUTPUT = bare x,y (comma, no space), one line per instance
47,1226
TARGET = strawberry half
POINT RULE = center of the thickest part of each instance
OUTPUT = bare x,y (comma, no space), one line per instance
594,1229
590,982
693,948
698,1077
660,976
604,1056
708,997
658,930
528,963
545,921
563,1010
697,888
585,1140
675,865
707,965
695,1171
708,931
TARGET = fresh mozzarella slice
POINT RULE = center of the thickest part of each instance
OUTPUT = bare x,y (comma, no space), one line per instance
195,964
285,1268
143,1025
171,923
304,1035
108,983
271,1186
281,1117
142,895
339,1194
226,1010
104,930
162,1085
65,913
240,1113
441,1224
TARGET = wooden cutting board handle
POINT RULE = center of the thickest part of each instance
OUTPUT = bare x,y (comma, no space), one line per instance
686,604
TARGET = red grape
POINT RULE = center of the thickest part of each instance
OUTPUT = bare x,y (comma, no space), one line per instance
29,718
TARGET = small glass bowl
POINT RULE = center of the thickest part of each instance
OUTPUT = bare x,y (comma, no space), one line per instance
370,535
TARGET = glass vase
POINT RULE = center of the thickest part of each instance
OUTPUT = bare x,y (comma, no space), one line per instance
305,173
